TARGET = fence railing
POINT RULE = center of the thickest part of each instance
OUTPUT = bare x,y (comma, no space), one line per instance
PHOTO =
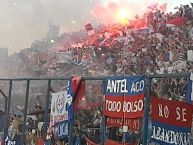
5,120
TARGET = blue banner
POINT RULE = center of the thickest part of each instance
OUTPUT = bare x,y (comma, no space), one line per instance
62,129
171,122
170,135
124,86
69,106
124,96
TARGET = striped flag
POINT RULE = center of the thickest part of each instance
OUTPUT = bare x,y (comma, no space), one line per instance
190,89
163,7
153,6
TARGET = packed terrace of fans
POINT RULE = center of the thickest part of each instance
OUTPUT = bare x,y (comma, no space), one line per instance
156,43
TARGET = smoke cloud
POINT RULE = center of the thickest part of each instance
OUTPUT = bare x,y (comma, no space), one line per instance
107,11
23,21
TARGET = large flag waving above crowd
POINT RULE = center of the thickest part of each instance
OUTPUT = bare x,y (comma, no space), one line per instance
89,28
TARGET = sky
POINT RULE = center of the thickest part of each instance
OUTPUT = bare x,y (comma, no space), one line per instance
23,21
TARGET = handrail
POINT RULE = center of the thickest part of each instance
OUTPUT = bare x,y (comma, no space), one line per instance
176,75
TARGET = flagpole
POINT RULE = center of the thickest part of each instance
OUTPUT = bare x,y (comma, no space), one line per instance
46,112
71,120
71,123
23,140
103,126
146,112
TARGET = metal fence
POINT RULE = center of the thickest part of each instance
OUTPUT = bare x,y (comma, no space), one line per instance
94,86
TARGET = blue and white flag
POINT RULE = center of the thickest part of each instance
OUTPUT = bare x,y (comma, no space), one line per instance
60,112
189,95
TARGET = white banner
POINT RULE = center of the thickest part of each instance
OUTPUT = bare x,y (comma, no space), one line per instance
64,57
60,102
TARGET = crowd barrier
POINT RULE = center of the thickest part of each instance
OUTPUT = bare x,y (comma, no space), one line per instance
149,125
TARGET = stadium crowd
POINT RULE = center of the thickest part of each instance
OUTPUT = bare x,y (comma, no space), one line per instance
157,43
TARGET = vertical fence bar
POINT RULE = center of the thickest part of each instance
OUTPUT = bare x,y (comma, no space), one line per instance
9,97
4,119
25,113
47,106
146,113
6,101
70,139
6,98
103,129
8,109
